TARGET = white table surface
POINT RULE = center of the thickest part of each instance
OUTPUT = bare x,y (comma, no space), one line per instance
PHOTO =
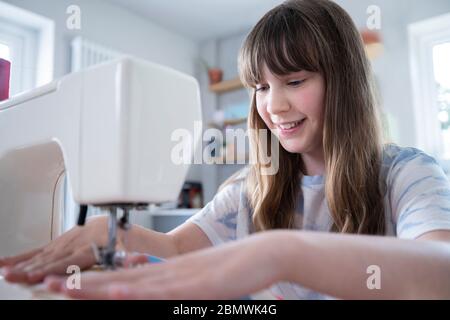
12,291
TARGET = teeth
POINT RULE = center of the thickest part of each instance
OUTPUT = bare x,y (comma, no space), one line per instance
288,126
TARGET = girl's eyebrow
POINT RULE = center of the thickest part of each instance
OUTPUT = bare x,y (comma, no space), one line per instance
292,74
287,76
283,76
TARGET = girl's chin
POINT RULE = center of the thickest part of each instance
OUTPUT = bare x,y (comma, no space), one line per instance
293,148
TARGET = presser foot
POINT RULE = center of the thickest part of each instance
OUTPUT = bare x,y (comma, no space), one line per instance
109,260
107,256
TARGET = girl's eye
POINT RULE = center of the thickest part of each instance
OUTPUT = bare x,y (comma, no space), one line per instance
261,88
296,83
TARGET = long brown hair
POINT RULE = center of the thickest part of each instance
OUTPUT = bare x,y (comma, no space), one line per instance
318,36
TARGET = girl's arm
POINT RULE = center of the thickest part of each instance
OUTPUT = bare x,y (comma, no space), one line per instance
347,266
75,248
185,238
333,264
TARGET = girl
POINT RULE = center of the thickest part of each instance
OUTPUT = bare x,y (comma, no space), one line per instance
344,216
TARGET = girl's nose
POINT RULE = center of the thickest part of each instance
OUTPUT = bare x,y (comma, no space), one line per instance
277,102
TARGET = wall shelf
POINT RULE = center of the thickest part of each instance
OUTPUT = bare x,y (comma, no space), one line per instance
226,86
227,123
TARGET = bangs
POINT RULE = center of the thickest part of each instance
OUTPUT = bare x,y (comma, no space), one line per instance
281,41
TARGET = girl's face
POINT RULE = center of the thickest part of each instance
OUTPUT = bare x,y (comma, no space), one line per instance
292,108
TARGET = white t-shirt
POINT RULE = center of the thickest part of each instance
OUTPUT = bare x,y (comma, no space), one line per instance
417,200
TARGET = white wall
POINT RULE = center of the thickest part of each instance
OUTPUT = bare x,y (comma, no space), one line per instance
116,28
392,68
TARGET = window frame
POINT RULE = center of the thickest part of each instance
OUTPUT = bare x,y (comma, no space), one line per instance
22,43
9,50
423,36
31,40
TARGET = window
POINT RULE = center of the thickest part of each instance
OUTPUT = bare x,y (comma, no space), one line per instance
21,43
430,75
4,52
441,62
27,40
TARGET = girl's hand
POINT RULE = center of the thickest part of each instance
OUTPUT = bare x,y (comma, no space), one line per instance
230,271
71,248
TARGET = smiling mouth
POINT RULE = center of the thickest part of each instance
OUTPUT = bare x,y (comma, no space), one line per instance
290,125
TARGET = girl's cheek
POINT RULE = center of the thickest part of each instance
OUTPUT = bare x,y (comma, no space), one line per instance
261,112
266,118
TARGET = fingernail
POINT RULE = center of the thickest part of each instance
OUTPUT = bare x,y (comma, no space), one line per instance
118,291
28,269
34,275
53,283
5,271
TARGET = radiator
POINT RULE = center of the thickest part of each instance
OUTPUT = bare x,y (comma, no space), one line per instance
86,53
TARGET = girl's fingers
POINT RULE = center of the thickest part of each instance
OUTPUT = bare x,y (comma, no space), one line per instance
150,282
81,259
10,261
54,283
161,290
91,286
10,275
38,258
89,281
19,273
98,292
96,285
137,292
38,267
96,279
135,259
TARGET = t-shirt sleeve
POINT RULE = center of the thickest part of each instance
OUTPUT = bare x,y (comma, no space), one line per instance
419,194
218,219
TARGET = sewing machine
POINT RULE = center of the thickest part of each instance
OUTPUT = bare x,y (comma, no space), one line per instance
108,128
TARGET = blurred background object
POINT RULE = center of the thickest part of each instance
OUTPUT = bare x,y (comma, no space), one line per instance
191,196
5,67
372,42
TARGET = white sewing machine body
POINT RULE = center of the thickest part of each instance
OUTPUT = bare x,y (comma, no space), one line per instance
108,128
